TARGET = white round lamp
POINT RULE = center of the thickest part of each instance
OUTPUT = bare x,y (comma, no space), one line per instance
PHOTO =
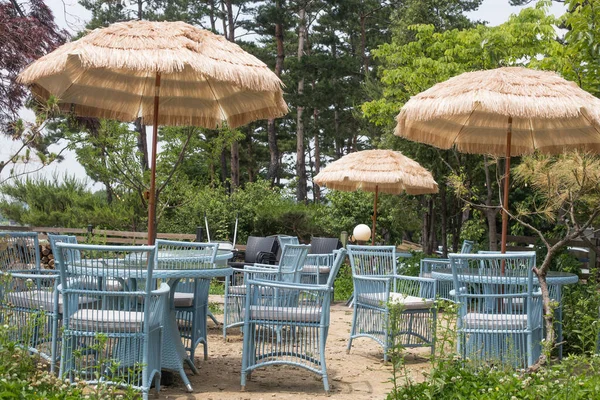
362,233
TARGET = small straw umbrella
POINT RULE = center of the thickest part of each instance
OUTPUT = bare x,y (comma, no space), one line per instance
124,71
377,171
504,111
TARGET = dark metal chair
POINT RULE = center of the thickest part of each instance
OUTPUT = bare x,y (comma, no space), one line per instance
261,250
320,259
324,245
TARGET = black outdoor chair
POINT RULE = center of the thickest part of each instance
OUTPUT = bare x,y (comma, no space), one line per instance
261,250
324,245
320,260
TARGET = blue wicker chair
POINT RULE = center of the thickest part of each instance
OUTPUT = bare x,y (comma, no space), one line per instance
190,298
29,300
288,270
301,310
430,264
500,308
124,328
53,239
377,286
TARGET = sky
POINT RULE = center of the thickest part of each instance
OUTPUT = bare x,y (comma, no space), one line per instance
73,17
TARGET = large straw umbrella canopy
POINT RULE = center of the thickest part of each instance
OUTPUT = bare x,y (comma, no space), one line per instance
167,73
377,171
504,111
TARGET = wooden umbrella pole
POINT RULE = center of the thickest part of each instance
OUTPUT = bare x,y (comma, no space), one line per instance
374,217
152,195
506,188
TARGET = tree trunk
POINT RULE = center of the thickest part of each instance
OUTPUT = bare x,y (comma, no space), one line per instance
142,143
490,213
211,15
235,164
444,220
109,192
235,148
274,166
339,144
223,166
425,229
492,229
363,44
250,150
548,310
223,20
432,239
316,189
300,161
230,22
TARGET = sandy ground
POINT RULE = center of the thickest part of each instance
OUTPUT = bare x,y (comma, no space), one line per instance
362,374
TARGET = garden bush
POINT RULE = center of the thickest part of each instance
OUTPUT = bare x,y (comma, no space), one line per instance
26,376
576,377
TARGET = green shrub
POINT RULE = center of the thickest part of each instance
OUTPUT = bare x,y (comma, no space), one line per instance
343,285
26,376
576,377
411,266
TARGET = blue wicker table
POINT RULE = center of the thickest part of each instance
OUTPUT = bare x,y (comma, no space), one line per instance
173,351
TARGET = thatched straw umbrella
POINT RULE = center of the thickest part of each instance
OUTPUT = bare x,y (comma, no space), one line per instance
122,71
377,171
505,111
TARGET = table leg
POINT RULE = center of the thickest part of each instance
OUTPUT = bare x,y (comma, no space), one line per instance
174,353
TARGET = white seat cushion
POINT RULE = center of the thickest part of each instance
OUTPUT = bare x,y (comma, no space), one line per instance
494,321
409,302
181,299
238,289
108,320
515,302
313,268
110,284
40,300
241,290
295,314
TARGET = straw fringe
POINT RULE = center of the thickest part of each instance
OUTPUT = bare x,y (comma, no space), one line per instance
390,171
205,79
471,110
165,47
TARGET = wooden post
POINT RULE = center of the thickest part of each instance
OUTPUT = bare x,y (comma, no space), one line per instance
374,217
152,196
506,189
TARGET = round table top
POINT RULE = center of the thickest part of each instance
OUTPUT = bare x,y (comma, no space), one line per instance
116,267
552,278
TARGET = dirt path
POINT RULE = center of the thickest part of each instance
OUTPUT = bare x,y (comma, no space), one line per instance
358,375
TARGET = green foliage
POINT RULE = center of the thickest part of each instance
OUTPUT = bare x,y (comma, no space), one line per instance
26,376
474,229
343,285
580,305
435,56
64,203
577,57
575,377
411,266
